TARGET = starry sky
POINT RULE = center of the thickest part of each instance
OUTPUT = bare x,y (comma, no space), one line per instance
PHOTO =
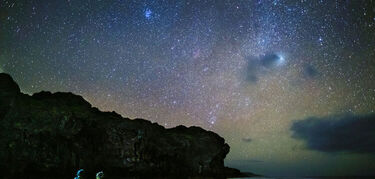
288,83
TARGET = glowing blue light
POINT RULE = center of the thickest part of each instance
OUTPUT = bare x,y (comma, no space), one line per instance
148,13
281,60
79,174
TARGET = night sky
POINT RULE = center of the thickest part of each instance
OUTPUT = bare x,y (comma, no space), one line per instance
289,84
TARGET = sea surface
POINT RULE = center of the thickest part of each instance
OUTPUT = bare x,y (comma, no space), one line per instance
322,177
273,177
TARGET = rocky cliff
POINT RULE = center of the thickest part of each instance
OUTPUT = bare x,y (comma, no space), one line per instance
55,134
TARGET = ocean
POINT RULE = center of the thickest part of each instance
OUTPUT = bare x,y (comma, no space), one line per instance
317,177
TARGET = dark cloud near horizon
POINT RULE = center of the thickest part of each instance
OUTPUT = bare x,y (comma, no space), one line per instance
247,139
338,133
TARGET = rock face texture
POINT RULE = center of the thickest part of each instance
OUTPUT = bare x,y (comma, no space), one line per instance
57,134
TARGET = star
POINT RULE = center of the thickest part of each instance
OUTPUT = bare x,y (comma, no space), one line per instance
281,60
148,13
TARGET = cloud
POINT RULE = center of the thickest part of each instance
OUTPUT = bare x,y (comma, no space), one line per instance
261,65
248,139
252,70
269,60
310,71
338,133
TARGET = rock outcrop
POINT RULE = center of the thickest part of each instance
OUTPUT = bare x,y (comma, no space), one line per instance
55,134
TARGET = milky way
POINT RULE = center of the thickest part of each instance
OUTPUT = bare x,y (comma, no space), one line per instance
244,69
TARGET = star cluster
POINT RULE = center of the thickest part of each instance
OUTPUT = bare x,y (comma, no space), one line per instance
244,69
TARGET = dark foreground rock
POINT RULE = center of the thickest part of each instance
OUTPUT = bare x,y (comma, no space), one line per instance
57,134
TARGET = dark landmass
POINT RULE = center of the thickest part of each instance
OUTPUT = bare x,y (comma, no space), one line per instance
55,134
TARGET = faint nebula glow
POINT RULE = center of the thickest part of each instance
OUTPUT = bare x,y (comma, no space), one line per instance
148,13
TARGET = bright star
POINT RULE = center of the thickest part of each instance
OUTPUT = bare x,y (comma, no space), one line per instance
148,13
281,59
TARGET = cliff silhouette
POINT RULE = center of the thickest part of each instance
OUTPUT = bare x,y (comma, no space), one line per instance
55,134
